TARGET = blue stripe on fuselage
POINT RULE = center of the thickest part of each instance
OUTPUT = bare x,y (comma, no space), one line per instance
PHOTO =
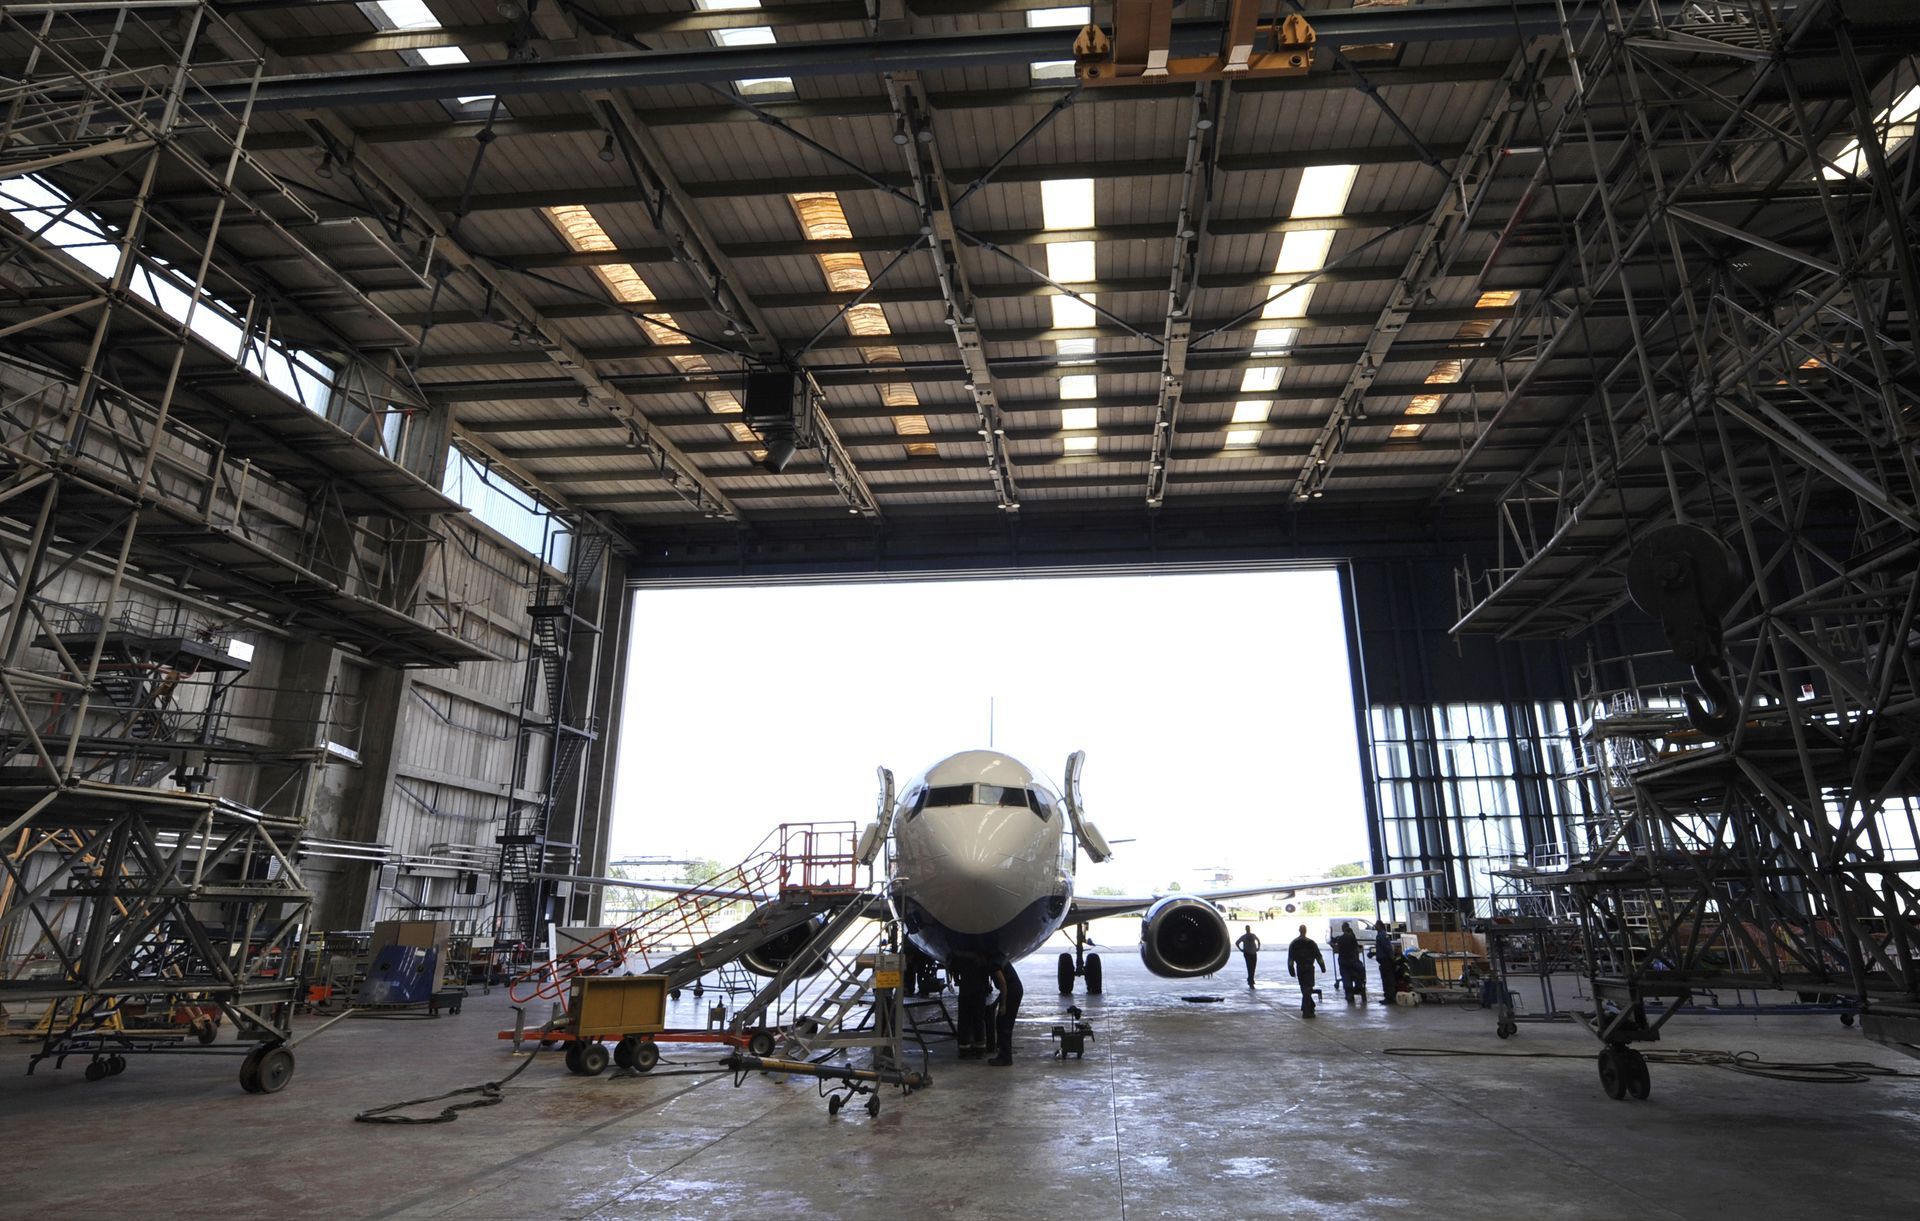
1015,939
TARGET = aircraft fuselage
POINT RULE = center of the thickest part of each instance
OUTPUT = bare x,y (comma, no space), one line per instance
980,863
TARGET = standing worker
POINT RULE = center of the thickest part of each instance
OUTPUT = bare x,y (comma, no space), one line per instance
1249,947
1302,956
1385,953
972,1033
1008,981
1346,957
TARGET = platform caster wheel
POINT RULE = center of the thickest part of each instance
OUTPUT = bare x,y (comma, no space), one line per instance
206,1031
1066,974
1093,975
96,1070
1633,1067
833,1105
266,1070
623,1051
1506,1029
592,1059
646,1054
761,1044
116,1065
873,1107
1613,1077
572,1057
1846,1019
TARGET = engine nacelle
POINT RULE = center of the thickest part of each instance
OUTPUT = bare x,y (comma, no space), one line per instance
1181,937
769,959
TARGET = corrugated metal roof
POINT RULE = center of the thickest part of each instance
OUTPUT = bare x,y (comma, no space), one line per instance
1132,146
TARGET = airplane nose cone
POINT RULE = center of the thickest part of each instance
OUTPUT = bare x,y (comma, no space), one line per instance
975,872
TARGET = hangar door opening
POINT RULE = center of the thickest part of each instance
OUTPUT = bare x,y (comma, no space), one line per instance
1216,710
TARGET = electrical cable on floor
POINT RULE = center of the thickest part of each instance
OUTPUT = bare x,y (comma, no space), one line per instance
492,1094
1813,1072
489,1091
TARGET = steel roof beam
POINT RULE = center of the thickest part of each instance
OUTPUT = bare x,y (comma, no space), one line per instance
1018,407
914,294
850,57
1251,163
694,244
1003,335
953,102
914,135
645,385
1440,242
1203,160
497,34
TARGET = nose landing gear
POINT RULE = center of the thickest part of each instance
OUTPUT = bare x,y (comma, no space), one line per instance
1080,964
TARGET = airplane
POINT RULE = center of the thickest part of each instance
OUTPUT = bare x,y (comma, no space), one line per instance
980,859
980,865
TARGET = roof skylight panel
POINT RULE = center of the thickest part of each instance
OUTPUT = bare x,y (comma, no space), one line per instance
1081,445
1263,378
1072,17
823,219
1896,125
752,36
1251,411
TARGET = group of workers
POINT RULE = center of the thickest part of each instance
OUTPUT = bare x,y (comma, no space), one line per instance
998,991
1304,959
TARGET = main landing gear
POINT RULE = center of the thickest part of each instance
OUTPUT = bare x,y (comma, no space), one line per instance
1081,964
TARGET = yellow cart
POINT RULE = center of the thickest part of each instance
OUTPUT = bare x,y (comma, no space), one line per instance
625,1009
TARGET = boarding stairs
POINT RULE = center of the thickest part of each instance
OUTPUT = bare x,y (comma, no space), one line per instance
858,1002
800,871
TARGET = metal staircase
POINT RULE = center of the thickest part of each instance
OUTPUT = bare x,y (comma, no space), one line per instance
799,872
552,739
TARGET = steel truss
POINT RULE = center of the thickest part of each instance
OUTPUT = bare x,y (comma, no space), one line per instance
172,426
1749,253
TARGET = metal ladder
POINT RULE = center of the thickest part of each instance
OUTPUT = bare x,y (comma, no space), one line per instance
804,961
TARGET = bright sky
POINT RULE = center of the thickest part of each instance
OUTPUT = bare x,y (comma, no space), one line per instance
1215,711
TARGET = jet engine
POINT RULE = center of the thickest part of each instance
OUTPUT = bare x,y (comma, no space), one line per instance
773,956
1181,937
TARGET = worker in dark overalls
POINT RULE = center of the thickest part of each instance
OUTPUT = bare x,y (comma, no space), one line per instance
1346,960
972,1018
1249,947
1302,956
1008,981
1385,952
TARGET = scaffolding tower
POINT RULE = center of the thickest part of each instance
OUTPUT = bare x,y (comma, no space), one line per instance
1740,239
190,454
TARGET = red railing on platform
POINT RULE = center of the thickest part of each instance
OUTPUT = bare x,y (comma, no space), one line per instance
815,859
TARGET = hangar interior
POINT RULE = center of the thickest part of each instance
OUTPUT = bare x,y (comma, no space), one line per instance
357,360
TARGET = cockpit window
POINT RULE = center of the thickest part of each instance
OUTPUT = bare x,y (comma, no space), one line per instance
979,794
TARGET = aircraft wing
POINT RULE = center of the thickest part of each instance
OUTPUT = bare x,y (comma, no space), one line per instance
1094,907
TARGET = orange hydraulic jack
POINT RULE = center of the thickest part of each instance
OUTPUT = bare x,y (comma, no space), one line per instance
1138,52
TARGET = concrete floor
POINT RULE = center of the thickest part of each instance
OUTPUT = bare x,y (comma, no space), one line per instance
1235,1109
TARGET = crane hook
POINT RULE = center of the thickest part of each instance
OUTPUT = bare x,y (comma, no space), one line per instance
1719,714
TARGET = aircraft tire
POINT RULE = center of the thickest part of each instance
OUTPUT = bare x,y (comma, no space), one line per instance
1066,974
1093,975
